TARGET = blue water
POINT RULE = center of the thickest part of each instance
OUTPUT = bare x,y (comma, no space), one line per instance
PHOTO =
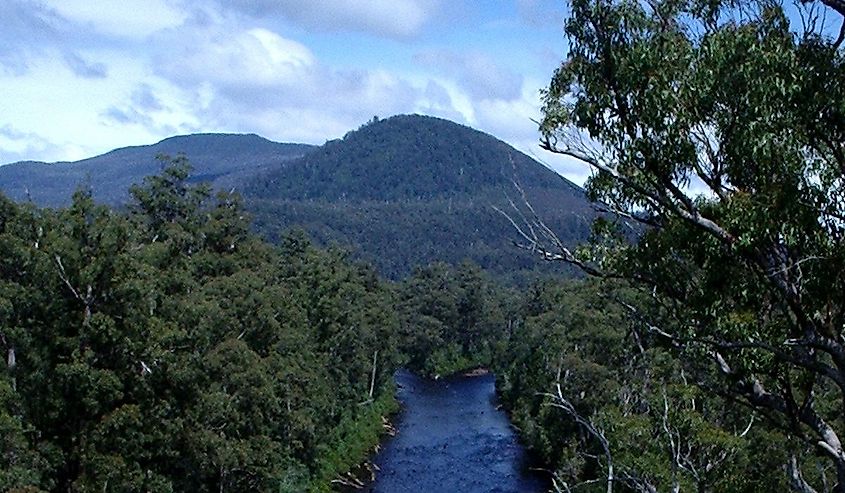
452,439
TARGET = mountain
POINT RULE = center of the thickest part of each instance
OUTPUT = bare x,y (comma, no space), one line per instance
399,192
225,160
410,189
408,157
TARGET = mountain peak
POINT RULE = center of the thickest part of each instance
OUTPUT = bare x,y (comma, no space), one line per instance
408,157
402,191
215,139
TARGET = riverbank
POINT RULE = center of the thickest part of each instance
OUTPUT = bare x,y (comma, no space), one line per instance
476,372
345,463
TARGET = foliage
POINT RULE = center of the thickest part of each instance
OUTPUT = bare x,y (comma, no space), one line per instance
661,431
405,157
399,193
411,190
450,318
169,349
743,283
351,442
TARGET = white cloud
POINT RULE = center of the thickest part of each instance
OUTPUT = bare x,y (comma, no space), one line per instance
478,74
154,107
18,145
33,31
83,117
387,18
541,13
245,59
144,97
574,170
514,121
437,100
84,68
514,118
324,105
27,30
253,79
126,18
104,74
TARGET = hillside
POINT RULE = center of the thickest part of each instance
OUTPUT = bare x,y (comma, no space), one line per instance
399,192
409,190
225,160
408,157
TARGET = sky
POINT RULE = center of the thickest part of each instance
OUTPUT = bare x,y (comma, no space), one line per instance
81,77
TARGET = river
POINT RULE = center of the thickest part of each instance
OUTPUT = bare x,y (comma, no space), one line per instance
452,438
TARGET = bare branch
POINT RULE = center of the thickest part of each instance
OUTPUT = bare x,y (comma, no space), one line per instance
687,212
796,479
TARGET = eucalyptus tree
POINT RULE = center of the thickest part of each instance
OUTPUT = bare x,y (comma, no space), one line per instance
720,126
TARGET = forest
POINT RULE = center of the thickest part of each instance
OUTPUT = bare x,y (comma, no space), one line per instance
716,360
410,190
398,192
166,346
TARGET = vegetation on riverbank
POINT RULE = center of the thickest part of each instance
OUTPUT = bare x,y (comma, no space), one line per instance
451,318
581,390
169,349
587,388
352,442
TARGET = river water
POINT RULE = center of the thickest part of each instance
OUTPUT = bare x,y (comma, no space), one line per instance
452,439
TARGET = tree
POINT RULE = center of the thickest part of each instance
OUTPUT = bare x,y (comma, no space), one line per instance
168,348
744,100
605,413
451,318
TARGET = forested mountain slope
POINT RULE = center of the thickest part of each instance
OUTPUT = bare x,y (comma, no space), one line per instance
399,192
409,190
409,157
165,347
222,159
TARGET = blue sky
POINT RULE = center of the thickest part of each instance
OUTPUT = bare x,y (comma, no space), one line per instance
81,77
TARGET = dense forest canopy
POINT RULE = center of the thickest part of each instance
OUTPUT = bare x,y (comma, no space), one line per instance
605,409
407,157
166,347
169,349
410,190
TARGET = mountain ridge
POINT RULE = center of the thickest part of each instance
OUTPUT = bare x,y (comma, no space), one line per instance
398,192
214,155
411,189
